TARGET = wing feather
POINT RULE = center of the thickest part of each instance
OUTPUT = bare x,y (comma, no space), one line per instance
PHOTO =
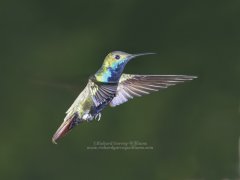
137,85
102,92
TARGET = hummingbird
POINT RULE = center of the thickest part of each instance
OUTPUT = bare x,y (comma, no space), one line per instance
109,86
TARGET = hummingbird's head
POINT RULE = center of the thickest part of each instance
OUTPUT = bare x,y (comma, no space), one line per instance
114,64
116,59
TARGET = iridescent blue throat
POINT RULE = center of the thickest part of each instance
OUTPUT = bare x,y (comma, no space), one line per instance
110,74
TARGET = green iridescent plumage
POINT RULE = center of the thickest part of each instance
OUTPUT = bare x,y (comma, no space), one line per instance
108,86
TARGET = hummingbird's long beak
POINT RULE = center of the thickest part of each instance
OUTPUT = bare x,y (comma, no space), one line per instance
140,54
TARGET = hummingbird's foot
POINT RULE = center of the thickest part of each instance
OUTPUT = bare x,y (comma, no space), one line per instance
98,116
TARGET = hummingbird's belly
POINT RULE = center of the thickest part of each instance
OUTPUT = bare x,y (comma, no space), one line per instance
90,111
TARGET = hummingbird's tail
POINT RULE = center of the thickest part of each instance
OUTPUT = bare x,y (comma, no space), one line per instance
66,126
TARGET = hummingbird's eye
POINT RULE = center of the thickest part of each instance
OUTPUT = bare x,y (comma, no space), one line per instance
117,57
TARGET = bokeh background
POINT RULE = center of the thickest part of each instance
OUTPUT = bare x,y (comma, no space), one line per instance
49,49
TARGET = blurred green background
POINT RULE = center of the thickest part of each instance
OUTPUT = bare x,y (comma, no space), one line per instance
48,50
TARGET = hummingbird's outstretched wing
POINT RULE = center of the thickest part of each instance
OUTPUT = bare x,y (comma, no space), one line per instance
131,85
